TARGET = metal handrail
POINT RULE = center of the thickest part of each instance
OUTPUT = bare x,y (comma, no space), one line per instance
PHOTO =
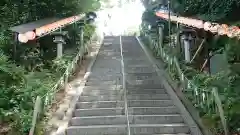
124,89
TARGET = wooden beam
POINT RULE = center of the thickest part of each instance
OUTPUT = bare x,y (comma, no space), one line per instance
198,50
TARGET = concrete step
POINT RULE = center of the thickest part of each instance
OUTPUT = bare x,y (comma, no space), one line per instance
120,120
106,57
104,87
146,91
99,120
136,62
117,91
102,79
142,76
156,119
97,130
142,82
139,66
107,63
113,76
110,54
108,97
144,86
99,104
102,69
148,97
99,112
137,58
150,129
105,76
152,110
99,83
129,70
150,103
102,92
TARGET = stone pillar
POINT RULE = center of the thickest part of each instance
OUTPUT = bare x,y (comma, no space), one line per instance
187,40
81,35
178,43
59,50
160,35
59,39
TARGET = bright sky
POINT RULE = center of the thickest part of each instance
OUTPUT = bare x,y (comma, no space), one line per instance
123,19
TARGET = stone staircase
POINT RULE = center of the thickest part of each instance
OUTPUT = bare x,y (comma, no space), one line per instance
136,104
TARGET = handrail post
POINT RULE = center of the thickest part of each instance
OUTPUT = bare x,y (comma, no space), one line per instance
36,112
220,109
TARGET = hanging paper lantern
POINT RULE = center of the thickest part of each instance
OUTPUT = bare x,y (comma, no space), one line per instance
22,38
174,18
198,23
207,26
224,29
230,32
234,30
30,35
214,27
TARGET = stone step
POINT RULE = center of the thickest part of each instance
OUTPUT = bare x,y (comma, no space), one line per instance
101,73
114,76
102,92
101,98
146,91
142,82
141,65
120,97
137,58
131,71
101,63
148,97
118,91
99,120
131,55
144,86
150,129
104,87
114,69
99,83
91,79
120,120
132,61
104,57
152,110
110,54
142,76
99,112
99,104
150,103
155,119
98,130
105,76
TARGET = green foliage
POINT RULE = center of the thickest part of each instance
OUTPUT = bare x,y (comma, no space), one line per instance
216,10
35,70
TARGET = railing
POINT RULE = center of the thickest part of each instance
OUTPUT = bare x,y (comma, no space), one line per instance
43,103
204,99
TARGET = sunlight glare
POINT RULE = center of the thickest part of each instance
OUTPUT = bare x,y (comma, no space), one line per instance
124,19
